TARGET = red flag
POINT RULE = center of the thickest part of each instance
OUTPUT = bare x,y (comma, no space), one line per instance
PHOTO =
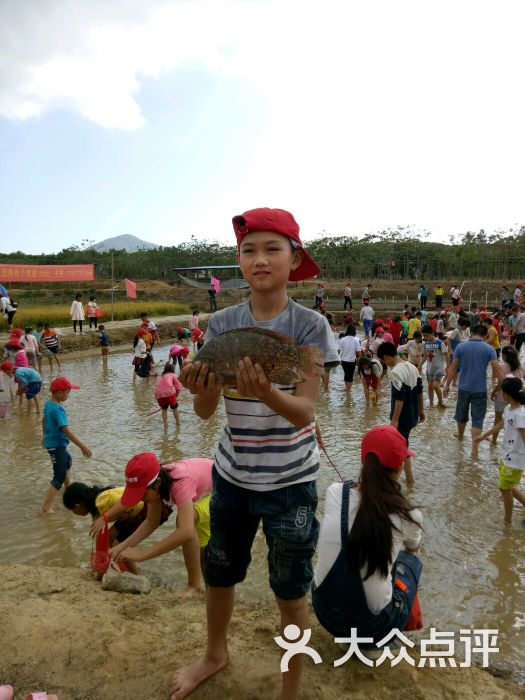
131,288
216,284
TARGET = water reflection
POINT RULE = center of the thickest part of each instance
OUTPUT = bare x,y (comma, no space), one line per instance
474,569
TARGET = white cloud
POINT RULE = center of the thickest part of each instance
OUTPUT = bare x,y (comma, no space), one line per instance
379,112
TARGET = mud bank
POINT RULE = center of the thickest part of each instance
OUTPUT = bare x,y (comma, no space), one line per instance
63,633
121,334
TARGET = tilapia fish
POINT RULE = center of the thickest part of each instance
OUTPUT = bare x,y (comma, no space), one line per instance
277,354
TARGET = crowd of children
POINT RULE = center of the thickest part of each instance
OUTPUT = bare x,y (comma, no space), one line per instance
362,580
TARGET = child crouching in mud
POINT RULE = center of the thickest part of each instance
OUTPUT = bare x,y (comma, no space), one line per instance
256,475
185,484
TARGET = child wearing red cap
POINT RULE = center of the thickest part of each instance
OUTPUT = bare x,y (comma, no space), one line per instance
28,380
186,485
179,353
57,434
363,580
267,459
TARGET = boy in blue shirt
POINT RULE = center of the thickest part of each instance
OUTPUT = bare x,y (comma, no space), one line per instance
55,428
267,459
28,380
104,344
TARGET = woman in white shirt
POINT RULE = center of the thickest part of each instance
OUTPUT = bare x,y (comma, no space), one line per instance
350,349
77,313
367,573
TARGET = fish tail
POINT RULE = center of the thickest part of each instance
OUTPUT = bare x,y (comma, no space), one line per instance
310,360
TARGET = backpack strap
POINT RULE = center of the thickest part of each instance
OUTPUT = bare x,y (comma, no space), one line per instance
347,485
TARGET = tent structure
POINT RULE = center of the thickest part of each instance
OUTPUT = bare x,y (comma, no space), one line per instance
198,272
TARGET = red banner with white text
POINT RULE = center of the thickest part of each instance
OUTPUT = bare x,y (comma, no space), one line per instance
46,273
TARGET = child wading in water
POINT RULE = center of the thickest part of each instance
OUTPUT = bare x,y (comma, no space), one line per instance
104,344
270,481
185,484
55,427
167,390
512,462
96,500
139,352
370,370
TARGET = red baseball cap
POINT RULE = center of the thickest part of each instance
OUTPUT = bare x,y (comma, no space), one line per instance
141,471
62,384
6,366
14,343
17,332
387,444
380,329
141,331
281,222
185,351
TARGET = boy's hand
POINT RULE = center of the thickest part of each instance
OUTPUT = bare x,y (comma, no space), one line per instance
197,377
252,381
86,451
97,527
127,554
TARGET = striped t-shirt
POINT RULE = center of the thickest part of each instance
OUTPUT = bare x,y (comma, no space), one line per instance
259,449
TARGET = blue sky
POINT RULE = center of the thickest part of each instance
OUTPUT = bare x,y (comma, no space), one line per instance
163,119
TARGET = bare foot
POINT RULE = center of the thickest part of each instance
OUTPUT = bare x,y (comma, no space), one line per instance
186,679
442,405
474,454
189,592
458,436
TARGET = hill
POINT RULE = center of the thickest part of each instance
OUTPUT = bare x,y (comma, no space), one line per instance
125,242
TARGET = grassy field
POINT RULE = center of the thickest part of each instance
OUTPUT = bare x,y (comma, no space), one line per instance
58,314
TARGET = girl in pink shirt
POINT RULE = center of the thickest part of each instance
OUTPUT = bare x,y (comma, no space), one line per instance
21,358
185,485
167,390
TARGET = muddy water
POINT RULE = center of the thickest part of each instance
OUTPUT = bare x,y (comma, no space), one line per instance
474,567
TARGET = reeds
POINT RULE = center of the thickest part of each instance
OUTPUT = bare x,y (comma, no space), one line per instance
58,314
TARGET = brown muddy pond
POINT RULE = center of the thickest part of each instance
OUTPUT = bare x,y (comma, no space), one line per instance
474,567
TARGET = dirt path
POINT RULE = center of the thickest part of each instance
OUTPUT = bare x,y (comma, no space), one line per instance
61,632
121,334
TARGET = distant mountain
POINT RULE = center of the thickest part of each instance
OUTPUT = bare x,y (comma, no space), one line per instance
125,242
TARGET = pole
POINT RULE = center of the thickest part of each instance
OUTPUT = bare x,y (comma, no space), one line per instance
112,285
470,300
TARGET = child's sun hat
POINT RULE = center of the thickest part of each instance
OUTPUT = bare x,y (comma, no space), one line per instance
277,221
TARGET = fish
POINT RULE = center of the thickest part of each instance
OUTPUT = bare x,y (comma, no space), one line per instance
277,354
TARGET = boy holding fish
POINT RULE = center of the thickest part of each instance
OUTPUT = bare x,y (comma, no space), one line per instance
267,459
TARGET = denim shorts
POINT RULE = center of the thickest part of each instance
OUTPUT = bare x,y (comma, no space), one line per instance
33,388
61,460
477,402
289,525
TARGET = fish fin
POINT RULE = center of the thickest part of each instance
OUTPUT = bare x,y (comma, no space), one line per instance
263,331
310,360
288,376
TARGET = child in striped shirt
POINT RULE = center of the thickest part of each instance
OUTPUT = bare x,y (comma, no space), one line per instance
267,460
